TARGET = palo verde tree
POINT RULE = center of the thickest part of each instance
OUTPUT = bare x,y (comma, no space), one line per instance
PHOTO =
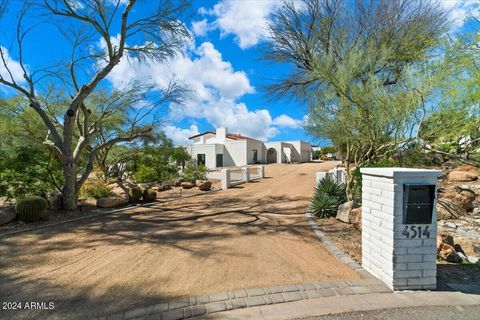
355,65
100,33
452,130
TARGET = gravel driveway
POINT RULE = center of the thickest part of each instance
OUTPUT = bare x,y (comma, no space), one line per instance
254,235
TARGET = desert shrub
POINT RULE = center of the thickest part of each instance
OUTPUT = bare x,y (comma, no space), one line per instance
328,149
357,182
194,172
329,194
134,194
159,172
414,156
149,195
96,189
145,174
28,171
31,208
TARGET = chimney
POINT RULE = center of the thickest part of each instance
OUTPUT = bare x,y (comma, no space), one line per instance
222,133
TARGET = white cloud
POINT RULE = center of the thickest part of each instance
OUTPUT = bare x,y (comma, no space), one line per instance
246,20
459,11
200,28
216,88
285,121
207,74
180,136
228,113
13,66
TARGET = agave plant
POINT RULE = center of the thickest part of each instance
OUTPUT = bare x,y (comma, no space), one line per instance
329,194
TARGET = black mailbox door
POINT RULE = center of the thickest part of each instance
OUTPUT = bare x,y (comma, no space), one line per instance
418,201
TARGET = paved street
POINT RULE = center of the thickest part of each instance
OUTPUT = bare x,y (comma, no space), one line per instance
418,313
354,306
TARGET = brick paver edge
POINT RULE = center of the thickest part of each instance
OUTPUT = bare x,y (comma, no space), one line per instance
243,298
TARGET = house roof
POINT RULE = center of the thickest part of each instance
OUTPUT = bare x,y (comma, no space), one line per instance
233,136
201,134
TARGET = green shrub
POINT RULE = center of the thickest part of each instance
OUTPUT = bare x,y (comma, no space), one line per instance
329,194
31,208
194,172
149,195
28,170
357,186
414,156
96,189
134,194
357,182
145,174
328,149
155,173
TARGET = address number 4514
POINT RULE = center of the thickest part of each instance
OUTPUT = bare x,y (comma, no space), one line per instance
412,232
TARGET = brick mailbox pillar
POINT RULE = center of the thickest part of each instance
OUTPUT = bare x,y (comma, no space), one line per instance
399,226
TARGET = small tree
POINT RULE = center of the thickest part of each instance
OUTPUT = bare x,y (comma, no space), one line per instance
452,129
181,156
152,33
353,64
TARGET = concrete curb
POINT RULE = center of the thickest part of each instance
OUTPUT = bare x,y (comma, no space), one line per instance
105,213
354,303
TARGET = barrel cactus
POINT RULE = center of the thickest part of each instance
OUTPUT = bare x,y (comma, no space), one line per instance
32,208
149,195
134,194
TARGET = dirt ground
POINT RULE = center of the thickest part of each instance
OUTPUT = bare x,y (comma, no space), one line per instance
349,240
88,207
254,235
344,235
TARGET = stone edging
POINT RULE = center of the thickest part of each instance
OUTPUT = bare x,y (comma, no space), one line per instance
333,249
93,215
208,304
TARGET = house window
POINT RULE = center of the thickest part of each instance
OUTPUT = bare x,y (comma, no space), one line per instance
219,160
201,159
255,155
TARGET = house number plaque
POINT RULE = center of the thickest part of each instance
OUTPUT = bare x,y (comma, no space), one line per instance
416,232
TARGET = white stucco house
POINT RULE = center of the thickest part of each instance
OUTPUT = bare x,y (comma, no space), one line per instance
219,148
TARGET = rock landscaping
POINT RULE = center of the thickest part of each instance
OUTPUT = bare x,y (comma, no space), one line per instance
7,214
187,185
112,202
344,211
458,212
204,185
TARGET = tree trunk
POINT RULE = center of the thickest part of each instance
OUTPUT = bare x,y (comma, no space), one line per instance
348,181
69,187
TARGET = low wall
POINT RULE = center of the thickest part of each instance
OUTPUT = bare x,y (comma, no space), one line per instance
337,174
231,177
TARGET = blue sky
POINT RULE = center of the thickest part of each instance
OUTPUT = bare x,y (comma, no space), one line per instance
221,65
